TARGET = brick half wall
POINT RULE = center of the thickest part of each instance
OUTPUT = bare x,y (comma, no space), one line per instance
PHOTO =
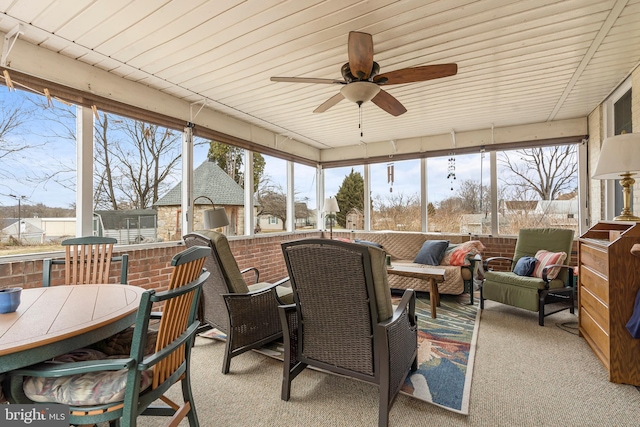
150,267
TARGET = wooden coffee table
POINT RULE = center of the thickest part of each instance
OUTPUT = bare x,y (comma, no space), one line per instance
433,275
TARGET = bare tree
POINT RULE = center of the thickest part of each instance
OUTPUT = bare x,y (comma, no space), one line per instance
397,211
543,173
133,161
272,201
144,160
14,116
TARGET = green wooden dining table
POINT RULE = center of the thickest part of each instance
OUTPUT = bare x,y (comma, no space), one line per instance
54,320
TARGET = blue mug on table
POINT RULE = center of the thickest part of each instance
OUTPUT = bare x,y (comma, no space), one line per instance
9,299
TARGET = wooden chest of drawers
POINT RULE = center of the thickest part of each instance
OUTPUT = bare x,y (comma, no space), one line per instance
609,279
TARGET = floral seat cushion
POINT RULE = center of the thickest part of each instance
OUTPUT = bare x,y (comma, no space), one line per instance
93,388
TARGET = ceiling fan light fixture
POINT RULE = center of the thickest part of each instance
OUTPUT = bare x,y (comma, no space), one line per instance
360,92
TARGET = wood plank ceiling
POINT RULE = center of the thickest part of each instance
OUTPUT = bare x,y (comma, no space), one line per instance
519,62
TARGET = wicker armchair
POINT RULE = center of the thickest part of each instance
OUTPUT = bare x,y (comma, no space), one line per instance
247,314
343,321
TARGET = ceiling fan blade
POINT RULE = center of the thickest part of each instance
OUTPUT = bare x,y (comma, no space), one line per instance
360,54
417,74
304,80
388,103
329,103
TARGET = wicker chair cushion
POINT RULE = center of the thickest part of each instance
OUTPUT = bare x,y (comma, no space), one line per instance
120,343
93,388
284,293
381,283
236,282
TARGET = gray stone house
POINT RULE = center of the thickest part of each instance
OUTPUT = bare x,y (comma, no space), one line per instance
210,181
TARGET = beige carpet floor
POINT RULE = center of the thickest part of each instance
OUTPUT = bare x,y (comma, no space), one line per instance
524,375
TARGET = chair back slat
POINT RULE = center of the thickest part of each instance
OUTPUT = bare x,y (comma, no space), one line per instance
88,260
175,319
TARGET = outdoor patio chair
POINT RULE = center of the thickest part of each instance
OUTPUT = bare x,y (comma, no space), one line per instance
548,279
123,387
247,314
343,321
87,261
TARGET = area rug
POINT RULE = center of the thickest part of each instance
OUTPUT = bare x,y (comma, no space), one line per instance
446,350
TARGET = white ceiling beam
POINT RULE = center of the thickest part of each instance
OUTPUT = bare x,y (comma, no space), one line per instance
475,138
597,41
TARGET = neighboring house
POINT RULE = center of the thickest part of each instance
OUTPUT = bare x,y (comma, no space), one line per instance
559,213
127,226
209,181
270,223
517,207
304,219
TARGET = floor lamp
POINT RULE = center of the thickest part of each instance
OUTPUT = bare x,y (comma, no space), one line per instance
330,208
214,218
620,159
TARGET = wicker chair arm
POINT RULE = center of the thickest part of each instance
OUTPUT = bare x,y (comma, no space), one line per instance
407,305
401,340
63,369
282,281
256,311
289,322
255,270
548,267
495,258
265,290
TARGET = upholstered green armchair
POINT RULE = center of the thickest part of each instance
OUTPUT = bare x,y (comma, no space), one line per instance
538,273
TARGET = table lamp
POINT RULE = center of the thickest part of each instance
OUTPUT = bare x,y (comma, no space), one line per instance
620,159
330,208
213,218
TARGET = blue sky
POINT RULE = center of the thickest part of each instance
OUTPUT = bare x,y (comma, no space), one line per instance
51,153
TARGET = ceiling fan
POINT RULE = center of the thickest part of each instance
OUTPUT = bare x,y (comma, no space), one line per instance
362,82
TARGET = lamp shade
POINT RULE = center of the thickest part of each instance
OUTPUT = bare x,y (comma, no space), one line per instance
215,218
360,92
619,154
330,205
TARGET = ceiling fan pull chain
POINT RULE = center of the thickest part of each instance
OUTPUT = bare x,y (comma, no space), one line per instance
360,119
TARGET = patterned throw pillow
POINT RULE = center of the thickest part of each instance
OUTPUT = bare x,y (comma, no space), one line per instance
546,258
459,254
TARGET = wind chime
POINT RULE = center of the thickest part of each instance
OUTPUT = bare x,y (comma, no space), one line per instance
390,176
452,169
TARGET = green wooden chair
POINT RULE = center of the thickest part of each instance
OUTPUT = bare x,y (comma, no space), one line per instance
87,261
123,387
552,283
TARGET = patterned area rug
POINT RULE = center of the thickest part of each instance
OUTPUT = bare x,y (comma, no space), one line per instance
446,350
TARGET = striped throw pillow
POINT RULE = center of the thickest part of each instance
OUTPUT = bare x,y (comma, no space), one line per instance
546,258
